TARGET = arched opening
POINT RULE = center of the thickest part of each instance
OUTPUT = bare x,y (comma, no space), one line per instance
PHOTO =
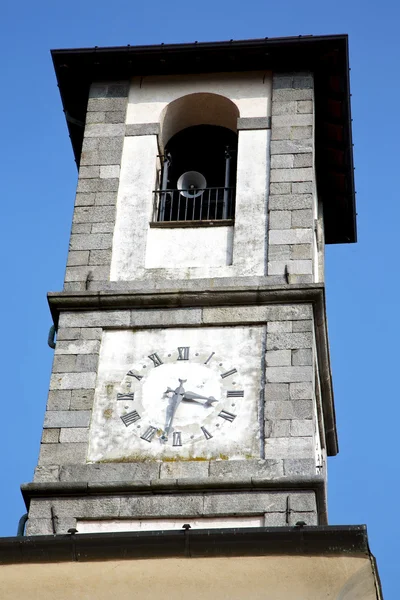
199,142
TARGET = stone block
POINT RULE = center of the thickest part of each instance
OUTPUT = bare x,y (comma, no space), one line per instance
110,472
91,333
101,507
67,418
280,219
301,391
142,129
302,218
64,364
109,90
304,106
299,466
278,358
261,314
78,347
303,81
72,381
306,325
115,117
78,257
302,160
302,428
59,400
280,188
50,436
82,399
282,161
243,503
305,174
290,95
276,391
243,469
281,82
308,518
290,202
301,251
301,133
70,435
99,130
282,340
279,251
184,316
302,356
46,474
275,519
292,267
303,187
94,214
106,104
251,123
58,454
98,241
105,199
182,470
74,286
39,527
285,120
109,172
284,108
164,505
100,318
277,428
64,524
289,145
96,117
282,447
291,236
89,172
86,363
280,133
81,228
103,228
288,374
87,274
299,409
97,185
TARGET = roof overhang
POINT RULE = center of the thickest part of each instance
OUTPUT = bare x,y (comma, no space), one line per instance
325,56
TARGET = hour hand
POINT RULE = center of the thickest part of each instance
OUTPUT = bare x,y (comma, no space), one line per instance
194,396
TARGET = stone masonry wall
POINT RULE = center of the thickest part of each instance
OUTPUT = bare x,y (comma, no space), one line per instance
292,179
95,203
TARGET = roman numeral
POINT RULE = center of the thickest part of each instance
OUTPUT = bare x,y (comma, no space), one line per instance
125,396
227,415
235,394
177,438
183,352
228,373
149,434
206,433
135,375
156,359
210,357
130,418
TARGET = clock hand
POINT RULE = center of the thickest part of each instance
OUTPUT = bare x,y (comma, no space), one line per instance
172,406
193,396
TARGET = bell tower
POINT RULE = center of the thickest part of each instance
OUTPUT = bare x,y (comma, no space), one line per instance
191,382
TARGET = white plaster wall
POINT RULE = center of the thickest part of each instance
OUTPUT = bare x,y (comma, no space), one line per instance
134,207
148,96
189,247
107,526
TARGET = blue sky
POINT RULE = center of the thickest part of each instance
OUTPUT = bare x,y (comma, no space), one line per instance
38,184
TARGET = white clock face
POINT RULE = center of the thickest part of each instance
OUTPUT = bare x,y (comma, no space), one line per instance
177,393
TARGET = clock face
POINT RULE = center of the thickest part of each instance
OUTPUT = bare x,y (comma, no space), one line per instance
184,397
177,394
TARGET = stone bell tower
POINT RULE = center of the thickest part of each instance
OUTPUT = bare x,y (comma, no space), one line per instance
191,381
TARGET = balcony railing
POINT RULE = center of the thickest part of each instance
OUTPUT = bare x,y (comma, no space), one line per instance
208,204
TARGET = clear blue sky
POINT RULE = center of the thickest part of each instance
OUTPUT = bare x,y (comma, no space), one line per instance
38,184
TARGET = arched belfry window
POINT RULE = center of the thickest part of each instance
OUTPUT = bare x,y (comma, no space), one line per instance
198,175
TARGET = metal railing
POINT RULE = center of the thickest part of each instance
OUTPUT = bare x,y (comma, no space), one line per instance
208,204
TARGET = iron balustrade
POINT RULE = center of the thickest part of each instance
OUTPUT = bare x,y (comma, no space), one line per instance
206,204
